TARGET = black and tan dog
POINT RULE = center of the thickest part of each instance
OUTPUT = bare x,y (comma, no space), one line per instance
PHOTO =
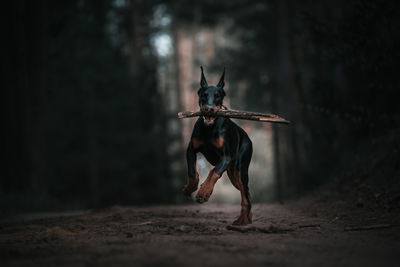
224,144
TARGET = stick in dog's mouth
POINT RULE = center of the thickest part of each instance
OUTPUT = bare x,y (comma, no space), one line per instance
209,117
208,120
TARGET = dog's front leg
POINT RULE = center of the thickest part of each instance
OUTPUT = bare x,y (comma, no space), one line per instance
207,187
193,175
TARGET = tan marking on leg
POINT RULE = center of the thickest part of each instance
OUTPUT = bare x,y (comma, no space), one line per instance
191,186
245,214
207,187
218,142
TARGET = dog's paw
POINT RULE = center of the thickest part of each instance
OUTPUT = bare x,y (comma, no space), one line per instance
201,198
204,193
189,188
243,219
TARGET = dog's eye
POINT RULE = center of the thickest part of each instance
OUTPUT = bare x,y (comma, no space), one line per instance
216,95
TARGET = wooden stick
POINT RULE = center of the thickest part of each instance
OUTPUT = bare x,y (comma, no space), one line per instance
309,225
236,114
272,229
366,227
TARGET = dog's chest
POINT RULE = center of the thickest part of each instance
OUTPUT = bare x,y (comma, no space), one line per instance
213,138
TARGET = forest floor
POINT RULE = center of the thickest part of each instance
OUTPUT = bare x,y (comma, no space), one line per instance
303,232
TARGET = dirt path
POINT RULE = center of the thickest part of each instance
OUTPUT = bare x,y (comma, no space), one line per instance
195,235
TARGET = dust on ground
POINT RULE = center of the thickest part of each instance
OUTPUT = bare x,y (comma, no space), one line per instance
299,233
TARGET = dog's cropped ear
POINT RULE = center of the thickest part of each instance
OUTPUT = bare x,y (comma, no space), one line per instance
221,82
203,81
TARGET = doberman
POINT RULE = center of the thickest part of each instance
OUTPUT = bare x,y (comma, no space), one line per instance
224,144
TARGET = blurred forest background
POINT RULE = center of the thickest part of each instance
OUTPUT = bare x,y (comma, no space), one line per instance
91,90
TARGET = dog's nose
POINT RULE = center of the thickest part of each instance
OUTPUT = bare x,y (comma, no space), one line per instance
208,108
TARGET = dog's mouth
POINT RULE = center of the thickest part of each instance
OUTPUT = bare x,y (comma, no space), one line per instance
209,116
208,120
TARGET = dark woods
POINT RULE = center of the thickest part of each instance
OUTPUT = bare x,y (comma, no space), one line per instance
84,118
86,123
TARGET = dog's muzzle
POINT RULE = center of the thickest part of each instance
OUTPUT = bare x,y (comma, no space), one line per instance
208,120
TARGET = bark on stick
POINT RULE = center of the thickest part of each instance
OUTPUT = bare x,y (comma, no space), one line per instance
236,114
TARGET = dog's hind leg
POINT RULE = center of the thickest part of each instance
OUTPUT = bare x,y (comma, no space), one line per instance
240,179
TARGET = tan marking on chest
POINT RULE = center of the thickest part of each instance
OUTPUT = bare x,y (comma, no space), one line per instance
218,142
196,143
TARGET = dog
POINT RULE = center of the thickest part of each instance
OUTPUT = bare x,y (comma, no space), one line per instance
224,144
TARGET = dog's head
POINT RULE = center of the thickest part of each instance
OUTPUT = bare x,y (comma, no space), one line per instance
211,97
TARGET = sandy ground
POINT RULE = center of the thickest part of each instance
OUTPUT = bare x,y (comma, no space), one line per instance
294,234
